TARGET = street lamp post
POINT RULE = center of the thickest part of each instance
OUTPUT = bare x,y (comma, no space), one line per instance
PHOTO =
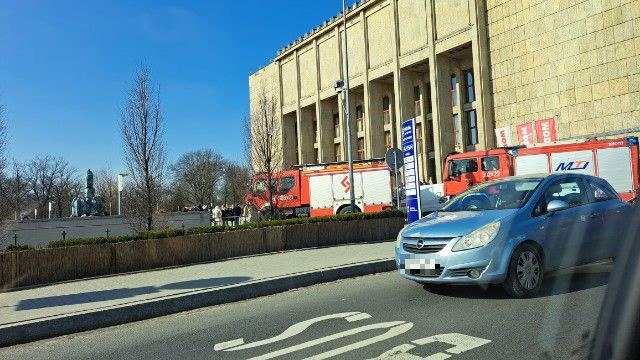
345,78
120,186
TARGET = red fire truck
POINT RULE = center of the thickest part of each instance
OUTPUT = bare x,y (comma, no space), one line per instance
324,189
615,160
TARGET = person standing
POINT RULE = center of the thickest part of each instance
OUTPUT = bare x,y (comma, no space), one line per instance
217,215
237,212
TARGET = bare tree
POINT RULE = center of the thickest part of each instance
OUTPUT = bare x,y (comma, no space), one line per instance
66,179
48,179
237,179
196,175
18,190
3,140
141,127
5,207
107,188
263,141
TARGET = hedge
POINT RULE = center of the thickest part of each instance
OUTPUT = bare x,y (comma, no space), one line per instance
165,233
19,248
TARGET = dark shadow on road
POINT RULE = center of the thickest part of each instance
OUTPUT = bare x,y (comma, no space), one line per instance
123,293
555,283
204,283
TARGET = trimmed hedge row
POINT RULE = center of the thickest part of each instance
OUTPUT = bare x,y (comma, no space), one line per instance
166,233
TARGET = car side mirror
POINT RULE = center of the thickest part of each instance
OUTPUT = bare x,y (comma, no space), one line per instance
555,206
442,200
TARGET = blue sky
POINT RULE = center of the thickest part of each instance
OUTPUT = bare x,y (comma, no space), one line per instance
65,67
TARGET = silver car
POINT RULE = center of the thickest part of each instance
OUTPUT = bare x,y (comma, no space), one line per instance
513,230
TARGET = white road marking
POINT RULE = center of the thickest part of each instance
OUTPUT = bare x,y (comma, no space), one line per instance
438,356
293,330
461,344
328,338
394,331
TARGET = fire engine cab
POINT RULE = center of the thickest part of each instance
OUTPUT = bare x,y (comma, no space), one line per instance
324,189
615,160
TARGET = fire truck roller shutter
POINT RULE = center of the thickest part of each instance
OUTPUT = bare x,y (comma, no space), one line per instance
532,164
320,192
376,187
614,165
573,162
341,186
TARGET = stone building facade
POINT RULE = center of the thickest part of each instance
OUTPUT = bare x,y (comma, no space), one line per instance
461,68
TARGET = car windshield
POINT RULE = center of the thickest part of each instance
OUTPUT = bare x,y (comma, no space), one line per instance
496,195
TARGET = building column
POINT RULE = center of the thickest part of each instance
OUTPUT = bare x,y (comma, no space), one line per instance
482,76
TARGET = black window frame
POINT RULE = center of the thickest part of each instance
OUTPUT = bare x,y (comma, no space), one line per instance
497,158
472,130
613,195
281,189
469,86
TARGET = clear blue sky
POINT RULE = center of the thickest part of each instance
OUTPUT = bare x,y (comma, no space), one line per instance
65,67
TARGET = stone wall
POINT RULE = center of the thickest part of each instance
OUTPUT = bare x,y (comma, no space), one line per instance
44,266
577,61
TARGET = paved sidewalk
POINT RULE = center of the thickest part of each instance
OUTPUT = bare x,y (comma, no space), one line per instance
52,310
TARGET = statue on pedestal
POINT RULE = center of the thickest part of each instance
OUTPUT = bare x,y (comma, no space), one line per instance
91,205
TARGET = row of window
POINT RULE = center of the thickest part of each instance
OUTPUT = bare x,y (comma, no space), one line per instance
470,117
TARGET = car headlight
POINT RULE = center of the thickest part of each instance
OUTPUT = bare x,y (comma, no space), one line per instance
478,238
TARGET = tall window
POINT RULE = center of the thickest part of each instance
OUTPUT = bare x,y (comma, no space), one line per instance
336,125
472,127
387,140
416,101
386,111
337,148
457,130
360,148
359,118
428,98
454,91
470,93
315,131
430,145
419,138
431,171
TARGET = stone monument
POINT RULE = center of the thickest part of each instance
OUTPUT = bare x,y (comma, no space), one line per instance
91,205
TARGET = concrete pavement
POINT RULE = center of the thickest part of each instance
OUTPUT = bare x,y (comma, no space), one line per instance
52,310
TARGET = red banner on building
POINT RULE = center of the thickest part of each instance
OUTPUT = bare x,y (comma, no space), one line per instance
546,130
503,136
525,134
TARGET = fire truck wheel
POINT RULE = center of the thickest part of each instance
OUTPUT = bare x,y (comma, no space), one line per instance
347,210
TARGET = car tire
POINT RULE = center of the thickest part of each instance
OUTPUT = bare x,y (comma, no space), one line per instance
525,272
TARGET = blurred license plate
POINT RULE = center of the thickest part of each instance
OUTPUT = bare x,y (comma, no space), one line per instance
420,264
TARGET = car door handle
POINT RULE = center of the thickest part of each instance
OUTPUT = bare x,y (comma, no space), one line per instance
594,215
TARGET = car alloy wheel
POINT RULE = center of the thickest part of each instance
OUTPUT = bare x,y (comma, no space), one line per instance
525,272
528,270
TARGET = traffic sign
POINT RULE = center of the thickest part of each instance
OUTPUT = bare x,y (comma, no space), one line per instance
394,158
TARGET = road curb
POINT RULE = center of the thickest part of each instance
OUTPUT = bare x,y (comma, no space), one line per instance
43,328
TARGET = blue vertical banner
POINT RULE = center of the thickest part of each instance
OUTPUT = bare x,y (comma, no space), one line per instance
411,175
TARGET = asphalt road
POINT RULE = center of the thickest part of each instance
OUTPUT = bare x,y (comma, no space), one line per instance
359,318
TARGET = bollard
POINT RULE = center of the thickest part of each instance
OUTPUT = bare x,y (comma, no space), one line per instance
15,239
107,233
183,227
64,235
